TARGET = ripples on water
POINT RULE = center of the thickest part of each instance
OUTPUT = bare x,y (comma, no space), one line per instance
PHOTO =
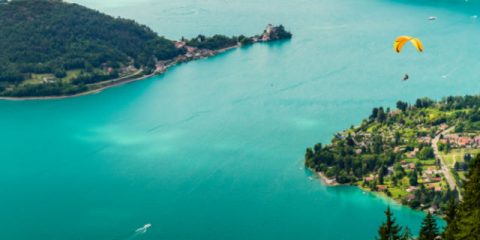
182,11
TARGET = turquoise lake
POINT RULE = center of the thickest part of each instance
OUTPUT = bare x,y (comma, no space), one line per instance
213,149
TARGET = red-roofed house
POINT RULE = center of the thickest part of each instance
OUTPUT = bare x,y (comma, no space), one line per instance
381,188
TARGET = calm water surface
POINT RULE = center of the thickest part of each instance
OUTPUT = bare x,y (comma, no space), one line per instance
213,149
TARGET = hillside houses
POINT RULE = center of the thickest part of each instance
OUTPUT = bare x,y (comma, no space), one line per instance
461,140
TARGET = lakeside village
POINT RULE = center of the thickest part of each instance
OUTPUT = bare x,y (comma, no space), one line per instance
418,154
203,47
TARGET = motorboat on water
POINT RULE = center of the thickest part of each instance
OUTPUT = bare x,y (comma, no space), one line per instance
431,18
144,228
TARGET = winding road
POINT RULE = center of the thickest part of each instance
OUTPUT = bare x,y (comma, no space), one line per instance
452,183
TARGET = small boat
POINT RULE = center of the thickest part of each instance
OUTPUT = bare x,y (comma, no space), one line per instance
310,178
431,18
144,228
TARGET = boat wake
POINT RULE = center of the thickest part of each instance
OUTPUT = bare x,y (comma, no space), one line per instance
183,11
137,233
448,74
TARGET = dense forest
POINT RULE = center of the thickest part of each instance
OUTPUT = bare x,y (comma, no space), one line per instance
53,37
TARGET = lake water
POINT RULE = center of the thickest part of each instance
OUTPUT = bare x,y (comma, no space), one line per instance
213,149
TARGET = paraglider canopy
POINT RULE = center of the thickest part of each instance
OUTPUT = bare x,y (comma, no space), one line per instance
400,42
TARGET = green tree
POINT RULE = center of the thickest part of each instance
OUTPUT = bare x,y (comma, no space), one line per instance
381,174
450,215
466,222
426,153
402,106
413,178
317,148
429,230
389,230
407,234
309,158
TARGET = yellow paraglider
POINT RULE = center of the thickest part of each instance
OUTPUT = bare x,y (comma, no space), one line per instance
400,42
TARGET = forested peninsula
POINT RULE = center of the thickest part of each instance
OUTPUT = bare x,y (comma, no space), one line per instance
51,48
418,154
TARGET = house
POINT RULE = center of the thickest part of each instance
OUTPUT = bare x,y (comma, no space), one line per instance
463,141
412,166
413,153
268,32
438,189
396,149
160,67
443,126
411,189
390,170
370,178
411,197
381,188
427,180
190,49
425,140
444,141
437,179
48,80
180,44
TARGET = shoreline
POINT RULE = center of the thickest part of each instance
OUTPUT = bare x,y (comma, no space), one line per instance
327,181
332,183
119,81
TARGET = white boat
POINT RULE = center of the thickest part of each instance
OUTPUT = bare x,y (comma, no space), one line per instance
432,18
144,228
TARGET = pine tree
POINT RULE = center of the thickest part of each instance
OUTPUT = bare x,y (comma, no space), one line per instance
450,215
413,178
389,230
407,234
467,219
429,230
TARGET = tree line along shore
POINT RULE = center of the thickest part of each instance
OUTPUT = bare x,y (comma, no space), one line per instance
52,48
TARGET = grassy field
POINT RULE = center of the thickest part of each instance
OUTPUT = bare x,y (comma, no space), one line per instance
456,155
37,78
428,162
40,78
71,75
